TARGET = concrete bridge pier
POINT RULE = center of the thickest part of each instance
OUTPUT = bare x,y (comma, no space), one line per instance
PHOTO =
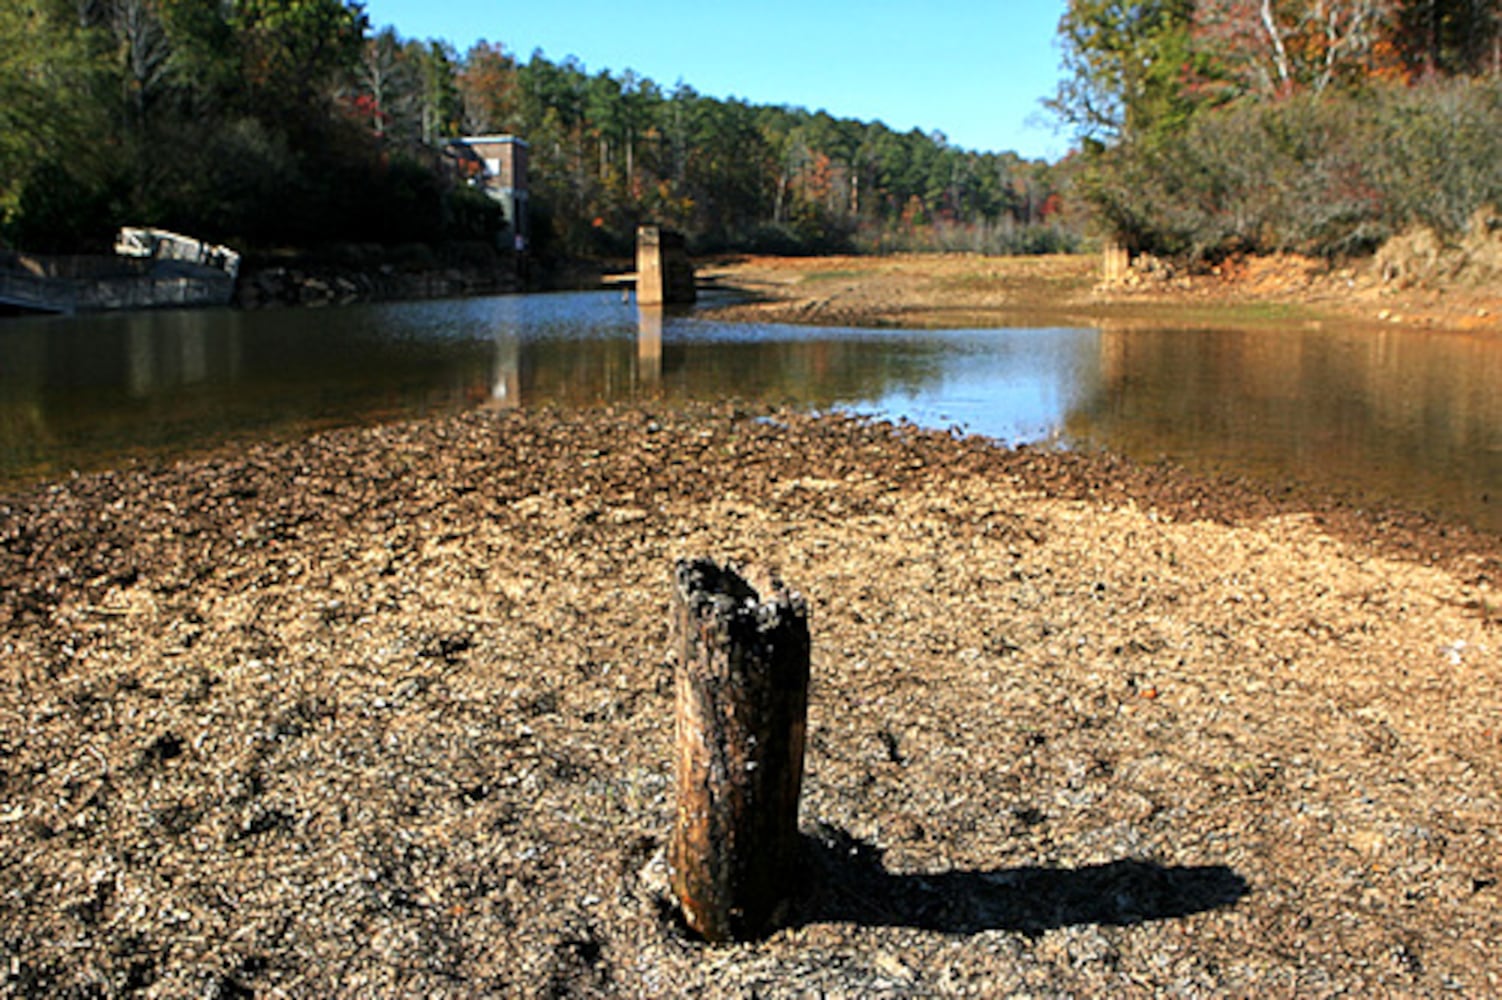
664,275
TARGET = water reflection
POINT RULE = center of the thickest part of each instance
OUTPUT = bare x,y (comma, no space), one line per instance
77,393
180,348
1381,413
1384,414
649,346
80,392
506,380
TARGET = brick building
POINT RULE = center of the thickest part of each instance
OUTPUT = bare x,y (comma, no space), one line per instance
497,164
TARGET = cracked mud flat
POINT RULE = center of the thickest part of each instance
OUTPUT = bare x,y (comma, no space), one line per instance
388,712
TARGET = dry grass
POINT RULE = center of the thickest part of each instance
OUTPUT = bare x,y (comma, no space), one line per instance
958,290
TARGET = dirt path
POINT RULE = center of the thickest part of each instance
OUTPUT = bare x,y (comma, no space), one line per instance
387,712
963,290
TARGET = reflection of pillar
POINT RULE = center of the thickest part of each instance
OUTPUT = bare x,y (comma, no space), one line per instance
140,353
649,345
506,378
1114,352
506,312
192,346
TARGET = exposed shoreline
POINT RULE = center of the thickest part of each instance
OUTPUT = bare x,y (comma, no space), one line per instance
955,290
385,711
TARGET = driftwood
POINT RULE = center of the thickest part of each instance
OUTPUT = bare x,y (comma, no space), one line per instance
742,706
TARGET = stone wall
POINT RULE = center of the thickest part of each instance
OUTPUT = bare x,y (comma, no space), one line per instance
376,274
82,283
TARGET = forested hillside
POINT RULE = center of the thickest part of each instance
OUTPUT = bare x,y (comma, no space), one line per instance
1323,126
1204,128
268,122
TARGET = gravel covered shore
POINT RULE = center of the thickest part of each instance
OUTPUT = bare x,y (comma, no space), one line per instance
388,712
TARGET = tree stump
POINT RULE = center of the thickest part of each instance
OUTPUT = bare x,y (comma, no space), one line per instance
742,709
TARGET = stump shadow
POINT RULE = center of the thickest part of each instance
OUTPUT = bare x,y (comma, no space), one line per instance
848,883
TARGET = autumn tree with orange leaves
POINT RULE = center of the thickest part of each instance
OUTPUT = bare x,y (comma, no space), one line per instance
1270,49
1215,127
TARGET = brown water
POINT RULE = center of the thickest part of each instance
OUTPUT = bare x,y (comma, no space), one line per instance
1381,415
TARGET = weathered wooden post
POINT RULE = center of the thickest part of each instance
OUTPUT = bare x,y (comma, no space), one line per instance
742,709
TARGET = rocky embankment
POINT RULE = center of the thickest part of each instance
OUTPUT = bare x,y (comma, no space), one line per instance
374,277
388,712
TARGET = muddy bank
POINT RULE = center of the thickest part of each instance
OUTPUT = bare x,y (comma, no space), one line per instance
960,290
388,712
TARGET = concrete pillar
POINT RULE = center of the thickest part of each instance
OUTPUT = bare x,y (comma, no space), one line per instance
663,272
1114,263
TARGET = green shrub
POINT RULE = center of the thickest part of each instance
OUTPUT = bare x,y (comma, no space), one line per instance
470,214
1331,176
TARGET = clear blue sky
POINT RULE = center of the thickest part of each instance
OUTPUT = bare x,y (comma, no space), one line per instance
973,69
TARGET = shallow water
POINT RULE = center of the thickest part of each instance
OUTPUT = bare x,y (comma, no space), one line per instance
1385,415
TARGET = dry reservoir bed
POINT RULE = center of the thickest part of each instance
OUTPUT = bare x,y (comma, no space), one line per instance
388,712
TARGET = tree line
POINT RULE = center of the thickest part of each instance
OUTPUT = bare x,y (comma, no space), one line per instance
1209,127
293,122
